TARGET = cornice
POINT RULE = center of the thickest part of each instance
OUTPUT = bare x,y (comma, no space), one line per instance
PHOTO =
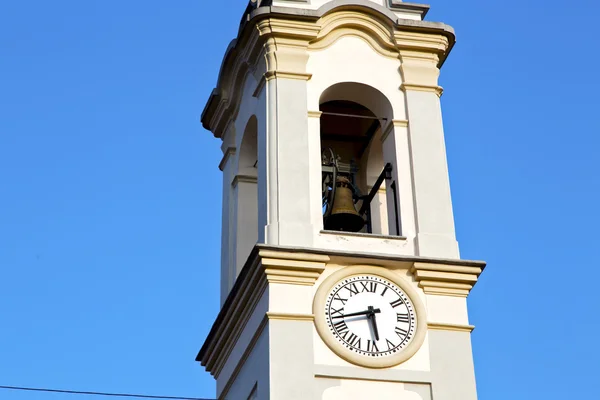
441,326
396,123
264,266
268,265
301,76
230,152
290,317
446,280
438,90
283,34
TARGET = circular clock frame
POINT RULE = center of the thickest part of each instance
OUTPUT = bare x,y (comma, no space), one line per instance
349,355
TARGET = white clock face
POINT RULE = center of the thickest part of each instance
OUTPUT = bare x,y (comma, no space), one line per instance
370,316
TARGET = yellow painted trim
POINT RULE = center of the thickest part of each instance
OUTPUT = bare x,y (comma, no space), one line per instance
287,75
290,316
445,280
383,49
395,123
440,326
422,88
269,266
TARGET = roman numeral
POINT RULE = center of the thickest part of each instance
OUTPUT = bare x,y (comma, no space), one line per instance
368,286
354,340
396,303
385,288
390,345
403,318
352,288
334,311
339,298
341,328
401,333
372,347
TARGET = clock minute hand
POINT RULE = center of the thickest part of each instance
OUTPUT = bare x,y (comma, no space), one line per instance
367,312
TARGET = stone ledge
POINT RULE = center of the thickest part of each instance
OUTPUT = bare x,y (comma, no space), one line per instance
265,265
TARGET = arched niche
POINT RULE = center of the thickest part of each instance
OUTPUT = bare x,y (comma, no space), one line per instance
245,194
351,124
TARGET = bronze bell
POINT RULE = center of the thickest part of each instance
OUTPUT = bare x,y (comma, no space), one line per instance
344,216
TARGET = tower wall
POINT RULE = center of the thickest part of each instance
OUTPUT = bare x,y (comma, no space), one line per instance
292,63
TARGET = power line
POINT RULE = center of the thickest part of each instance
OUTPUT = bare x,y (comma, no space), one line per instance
139,396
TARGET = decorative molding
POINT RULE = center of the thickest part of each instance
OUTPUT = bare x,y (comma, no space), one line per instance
268,265
230,152
445,280
395,123
423,88
292,268
287,75
365,235
368,26
290,317
259,87
264,266
282,36
413,8
440,326
382,375
244,179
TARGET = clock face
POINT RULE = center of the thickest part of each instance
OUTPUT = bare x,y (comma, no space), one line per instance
370,316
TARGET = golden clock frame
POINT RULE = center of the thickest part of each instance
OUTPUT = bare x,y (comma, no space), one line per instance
347,354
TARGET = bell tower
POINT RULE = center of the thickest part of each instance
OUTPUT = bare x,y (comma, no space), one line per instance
341,276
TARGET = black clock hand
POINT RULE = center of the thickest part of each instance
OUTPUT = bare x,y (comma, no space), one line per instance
374,311
372,317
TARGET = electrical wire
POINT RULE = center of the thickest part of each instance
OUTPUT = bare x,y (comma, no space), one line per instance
139,396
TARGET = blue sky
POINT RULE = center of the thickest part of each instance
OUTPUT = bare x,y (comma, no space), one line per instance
110,192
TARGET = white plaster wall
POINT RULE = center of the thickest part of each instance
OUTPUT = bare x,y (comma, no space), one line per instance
431,186
447,309
348,389
247,223
257,362
239,226
255,371
351,59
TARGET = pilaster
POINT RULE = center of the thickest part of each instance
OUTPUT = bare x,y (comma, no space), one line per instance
227,165
420,55
287,144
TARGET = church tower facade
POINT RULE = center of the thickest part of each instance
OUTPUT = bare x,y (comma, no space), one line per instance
341,276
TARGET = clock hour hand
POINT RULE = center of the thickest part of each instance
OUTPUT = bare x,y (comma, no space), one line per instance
367,312
373,319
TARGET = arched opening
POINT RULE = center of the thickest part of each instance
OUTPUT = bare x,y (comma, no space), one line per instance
245,193
355,178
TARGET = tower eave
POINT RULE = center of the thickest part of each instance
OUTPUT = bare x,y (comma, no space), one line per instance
254,16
